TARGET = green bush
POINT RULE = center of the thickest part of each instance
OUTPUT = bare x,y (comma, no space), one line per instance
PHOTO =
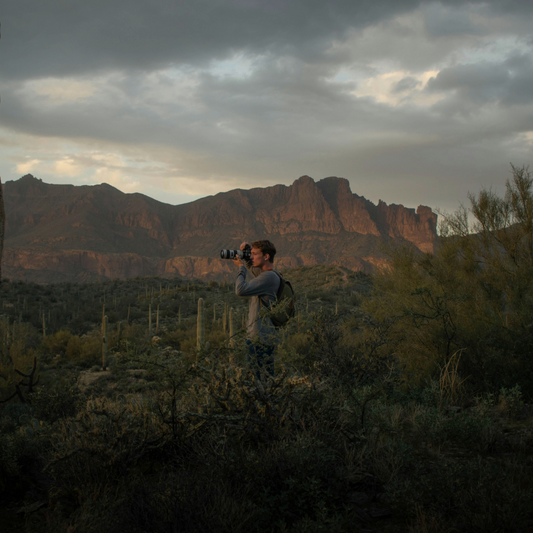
86,350
56,344
21,448
62,401
471,297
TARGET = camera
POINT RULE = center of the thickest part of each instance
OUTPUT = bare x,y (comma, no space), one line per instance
245,254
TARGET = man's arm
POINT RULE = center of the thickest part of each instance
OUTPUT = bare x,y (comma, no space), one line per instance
255,287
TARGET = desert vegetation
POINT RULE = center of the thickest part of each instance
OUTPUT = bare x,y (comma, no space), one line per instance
401,401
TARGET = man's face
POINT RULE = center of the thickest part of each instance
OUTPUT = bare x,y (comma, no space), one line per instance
258,258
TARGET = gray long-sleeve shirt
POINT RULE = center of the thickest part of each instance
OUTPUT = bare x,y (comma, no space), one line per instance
265,284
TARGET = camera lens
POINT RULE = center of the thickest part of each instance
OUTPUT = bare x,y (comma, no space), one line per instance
228,254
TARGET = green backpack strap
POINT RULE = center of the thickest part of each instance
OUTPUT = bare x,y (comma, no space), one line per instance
281,285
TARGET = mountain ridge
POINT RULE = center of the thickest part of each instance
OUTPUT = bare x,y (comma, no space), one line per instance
96,231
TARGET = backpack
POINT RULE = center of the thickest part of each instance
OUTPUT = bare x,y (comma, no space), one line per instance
285,299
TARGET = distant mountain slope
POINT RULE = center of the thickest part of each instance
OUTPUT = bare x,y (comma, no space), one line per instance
60,232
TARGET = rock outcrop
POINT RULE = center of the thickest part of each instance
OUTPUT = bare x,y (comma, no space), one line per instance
66,232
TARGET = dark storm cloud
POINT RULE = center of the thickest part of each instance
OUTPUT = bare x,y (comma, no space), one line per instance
223,114
284,112
57,38
508,82
440,21
514,7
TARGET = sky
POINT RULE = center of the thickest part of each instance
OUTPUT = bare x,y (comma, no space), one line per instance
413,102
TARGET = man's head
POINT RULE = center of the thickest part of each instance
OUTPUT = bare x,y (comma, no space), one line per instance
263,252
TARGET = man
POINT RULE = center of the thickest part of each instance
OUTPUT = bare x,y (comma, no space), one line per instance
262,289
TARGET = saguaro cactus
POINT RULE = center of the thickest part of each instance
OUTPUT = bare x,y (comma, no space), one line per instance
104,342
150,319
200,324
231,327
157,321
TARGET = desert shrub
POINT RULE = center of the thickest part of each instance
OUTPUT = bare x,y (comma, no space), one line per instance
470,296
299,479
216,338
298,344
77,326
511,401
465,428
134,333
86,350
56,344
11,414
22,447
212,448
62,400
103,440
470,494
23,338
210,438
347,364
19,341
323,296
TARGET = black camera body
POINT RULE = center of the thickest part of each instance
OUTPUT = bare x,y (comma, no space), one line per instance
245,254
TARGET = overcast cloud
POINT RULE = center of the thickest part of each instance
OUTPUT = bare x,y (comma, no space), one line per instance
414,102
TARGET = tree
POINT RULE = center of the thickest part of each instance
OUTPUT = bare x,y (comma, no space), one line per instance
497,247
475,295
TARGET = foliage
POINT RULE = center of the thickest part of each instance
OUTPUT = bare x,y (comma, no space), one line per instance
62,400
472,297
407,412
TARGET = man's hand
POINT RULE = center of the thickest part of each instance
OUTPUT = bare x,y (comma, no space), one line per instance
239,262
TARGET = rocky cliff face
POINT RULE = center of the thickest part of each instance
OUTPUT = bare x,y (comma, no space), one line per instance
66,232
